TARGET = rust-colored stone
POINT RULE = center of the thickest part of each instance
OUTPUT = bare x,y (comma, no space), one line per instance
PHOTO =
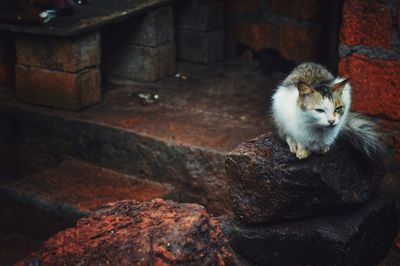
299,43
366,23
59,53
58,89
131,233
376,85
300,9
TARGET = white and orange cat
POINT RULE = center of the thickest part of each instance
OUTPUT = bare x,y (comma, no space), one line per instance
311,108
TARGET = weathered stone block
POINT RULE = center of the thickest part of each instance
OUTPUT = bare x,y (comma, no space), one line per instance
58,89
267,182
361,237
152,29
59,53
201,47
255,35
367,23
155,28
201,17
369,77
142,63
301,10
299,43
131,233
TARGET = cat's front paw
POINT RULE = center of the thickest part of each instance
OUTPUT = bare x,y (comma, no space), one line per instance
302,153
325,149
292,145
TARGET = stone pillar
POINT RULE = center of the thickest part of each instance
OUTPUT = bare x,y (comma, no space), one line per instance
141,49
323,210
61,72
200,32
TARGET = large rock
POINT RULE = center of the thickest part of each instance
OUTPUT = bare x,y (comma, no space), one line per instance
266,181
131,233
358,238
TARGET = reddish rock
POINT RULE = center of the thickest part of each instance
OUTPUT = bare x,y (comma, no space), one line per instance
300,9
299,43
267,182
376,85
59,53
255,35
58,89
131,233
366,23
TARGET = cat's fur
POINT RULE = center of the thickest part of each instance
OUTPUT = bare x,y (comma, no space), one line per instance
311,108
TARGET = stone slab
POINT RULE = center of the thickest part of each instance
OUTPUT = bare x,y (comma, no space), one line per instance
72,91
59,53
360,237
201,47
90,17
136,62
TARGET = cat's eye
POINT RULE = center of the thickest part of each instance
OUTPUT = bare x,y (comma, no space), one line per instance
320,110
338,109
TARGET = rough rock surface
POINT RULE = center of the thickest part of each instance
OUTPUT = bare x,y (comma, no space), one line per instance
266,181
361,237
131,233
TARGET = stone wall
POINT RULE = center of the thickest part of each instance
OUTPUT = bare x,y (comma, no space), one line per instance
369,53
7,61
301,30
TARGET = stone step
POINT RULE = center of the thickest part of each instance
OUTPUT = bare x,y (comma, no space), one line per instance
183,139
43,204
14,248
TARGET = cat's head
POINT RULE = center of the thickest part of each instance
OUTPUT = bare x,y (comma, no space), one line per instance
324,104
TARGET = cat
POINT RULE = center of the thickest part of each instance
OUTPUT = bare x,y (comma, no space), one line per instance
311,108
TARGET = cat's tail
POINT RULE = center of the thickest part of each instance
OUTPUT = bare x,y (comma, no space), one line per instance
363,135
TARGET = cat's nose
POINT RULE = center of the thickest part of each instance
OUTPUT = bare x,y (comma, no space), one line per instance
331,122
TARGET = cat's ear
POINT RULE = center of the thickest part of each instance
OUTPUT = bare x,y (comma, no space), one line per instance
304,88
340,85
